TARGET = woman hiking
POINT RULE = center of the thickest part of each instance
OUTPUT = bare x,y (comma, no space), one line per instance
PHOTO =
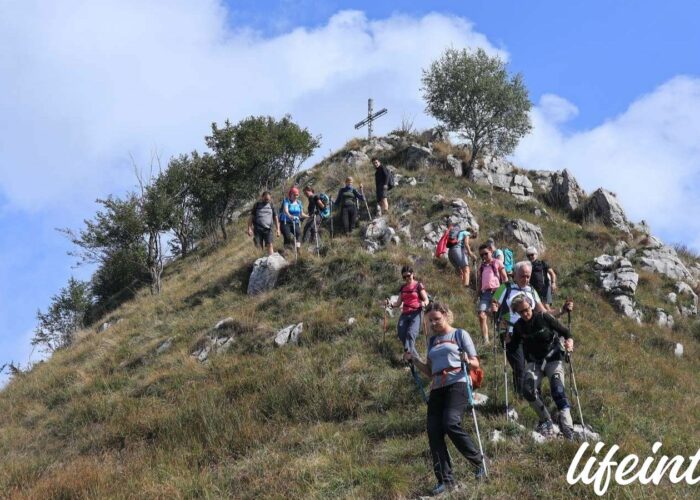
448,348
459,251
290,218
412,298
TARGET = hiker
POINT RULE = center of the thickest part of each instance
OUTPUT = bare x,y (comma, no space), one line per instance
543,278
262,217
459,251
505,255
448,347
489,277
502,307
317,206
412,298
538,333
381,182
291,214
346,200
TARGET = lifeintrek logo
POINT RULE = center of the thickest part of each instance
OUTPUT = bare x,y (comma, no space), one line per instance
599,472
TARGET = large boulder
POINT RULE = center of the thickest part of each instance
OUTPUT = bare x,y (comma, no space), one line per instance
627,306
542,178
377,234
525,233
455,165
663,259
564,193
461,215
604,207
687,299
417,156
663,319
266,270
356,159
617,278
378,146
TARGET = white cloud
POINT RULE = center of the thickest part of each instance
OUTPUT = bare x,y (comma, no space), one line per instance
649,155
83,85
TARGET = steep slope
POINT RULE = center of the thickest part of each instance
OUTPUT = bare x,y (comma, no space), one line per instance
121,415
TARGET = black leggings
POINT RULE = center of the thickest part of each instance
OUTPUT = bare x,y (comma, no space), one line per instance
349,215
516,360
445,409
289,229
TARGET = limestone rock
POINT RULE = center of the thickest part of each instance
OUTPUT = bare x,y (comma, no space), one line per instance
213,344
377,147
289,335
542,178
417,157
351,321
225,324
678,351
525,233
687,299
266,270
628,307
564,193
603,206
455,165
663,319
497,436
165,346
356,159
377,234
663,259
671,298
586,433
461,215
538,438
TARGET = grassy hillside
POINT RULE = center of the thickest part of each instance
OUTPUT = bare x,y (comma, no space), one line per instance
338,415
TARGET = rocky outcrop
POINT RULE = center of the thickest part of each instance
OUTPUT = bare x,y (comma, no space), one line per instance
455,165
603,206
687,299
378,146
417,157
266,270
663,259
618,280
564,193
525,233
663,319
378,234
461,215
356,159
289,335
502,175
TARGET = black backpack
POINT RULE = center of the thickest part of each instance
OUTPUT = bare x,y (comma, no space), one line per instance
539,278
390,182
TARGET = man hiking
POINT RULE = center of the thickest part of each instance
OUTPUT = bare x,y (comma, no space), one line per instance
348,206
459,251
539,333
502,307
489,277
262,218
543,278
412,298
317,204
451,355
381,183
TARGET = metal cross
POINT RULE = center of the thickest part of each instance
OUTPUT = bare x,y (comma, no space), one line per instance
370,118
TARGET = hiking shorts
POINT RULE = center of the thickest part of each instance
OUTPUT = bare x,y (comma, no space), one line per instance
381,192
547,299
408,329
262,236
485,301
457,257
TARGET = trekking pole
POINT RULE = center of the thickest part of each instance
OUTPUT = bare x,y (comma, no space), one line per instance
573,382
419,384
369,215
318,251
331,220
294,232
470,399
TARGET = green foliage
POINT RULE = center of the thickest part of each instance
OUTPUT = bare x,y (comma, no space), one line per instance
472,94
65,316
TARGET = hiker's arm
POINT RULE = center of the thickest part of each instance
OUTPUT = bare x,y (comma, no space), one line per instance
250,223
469,248
424,297
358,195
471,361
552,279
567,307
502,273
424,367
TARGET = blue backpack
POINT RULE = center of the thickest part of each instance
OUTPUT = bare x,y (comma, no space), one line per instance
508,260
326,212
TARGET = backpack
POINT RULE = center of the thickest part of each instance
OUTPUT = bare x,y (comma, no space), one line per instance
508,260
441,246
540,278
476,375
493,265
326,212
390,181
453,236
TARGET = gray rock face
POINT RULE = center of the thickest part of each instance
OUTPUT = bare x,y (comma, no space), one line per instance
266,270
542,178
455,165
377,147
356,159
564,193
213,344
377,234
603,206
417,156
436,134
525,233
165,346
289,335
627,306
687,299
663,259
461,215
663,319
617,278
503,176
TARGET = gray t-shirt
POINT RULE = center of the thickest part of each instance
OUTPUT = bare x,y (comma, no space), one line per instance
443,352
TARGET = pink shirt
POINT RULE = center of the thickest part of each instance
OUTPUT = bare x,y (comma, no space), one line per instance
489,275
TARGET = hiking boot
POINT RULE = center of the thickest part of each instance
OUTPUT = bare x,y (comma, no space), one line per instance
480,473
443,487
545,428
565,425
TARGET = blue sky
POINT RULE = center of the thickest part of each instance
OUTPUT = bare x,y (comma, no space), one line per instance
85,87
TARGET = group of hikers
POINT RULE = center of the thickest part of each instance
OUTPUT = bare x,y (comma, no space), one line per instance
265,222
516,297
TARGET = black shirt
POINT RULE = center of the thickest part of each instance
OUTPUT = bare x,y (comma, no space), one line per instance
381,176
538,336
313,205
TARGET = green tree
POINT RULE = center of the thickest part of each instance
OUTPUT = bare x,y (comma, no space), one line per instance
65,316
178,183
472,94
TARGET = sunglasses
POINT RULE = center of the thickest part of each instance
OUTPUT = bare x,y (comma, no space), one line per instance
532,255
405,275
483,254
